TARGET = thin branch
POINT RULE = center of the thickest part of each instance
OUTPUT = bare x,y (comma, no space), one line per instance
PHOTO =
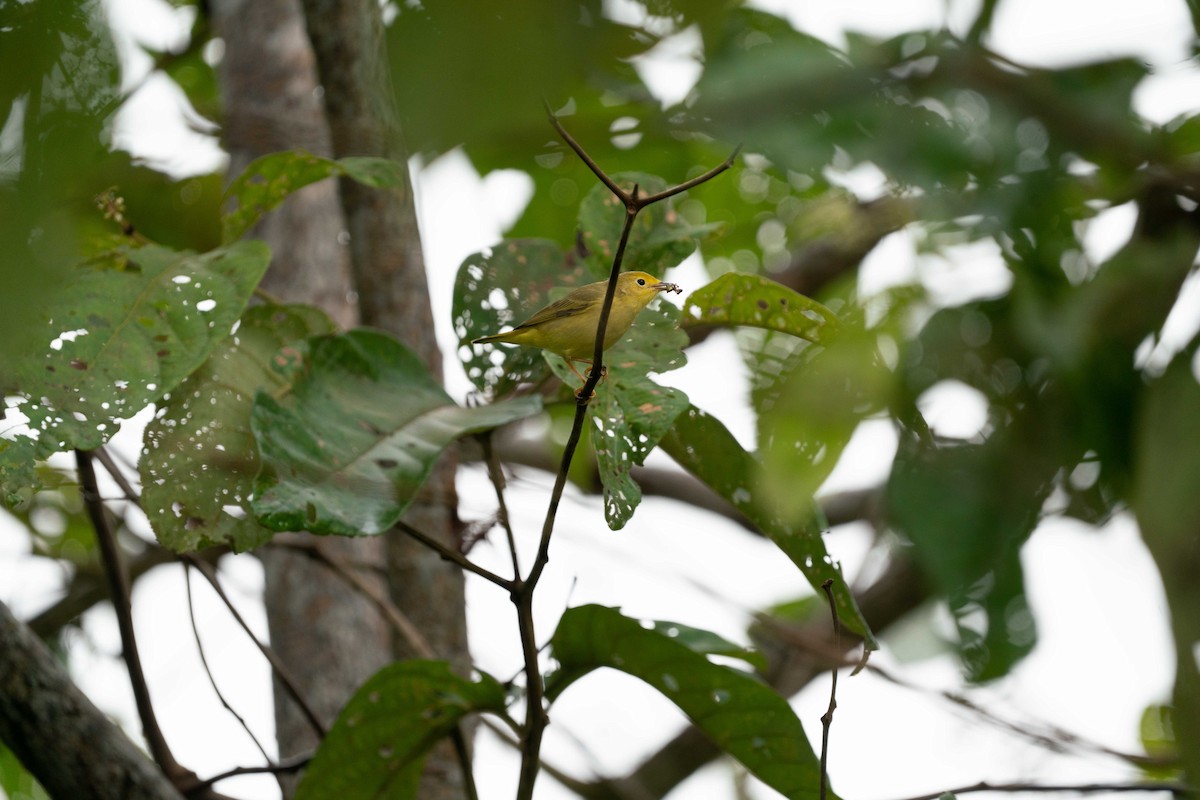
1082,788
1052,738
118,582
827,717
187,580
282,768
449,554
522,590
585,158
696,181
464,758
397,618
281,669
497,478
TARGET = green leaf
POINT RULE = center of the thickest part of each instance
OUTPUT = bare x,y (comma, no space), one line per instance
815,410
706,448
377,746
267,181
756,301
659,240
744,717
631,412
500,287
200,458
968,509
347,449
125,330
1166,485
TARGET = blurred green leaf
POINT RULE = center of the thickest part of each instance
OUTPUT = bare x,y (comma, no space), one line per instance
819,405
200,458
631,413
128,328
59,85
15,781
1166,485
501,287
1156,730
705,448
377,747
737,299
745,718
267,181
968,509
565,48
345,451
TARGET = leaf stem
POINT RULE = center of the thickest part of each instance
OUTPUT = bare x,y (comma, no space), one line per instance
827,717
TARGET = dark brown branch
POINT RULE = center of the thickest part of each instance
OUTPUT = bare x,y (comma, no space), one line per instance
118,582
282,768
452,555
827,717
497,478
187,579
69,745
281,669
1080,788
523,590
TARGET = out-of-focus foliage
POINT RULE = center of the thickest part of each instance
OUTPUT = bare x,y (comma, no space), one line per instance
1088,412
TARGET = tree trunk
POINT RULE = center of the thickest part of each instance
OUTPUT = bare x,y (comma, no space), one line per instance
334,636
68,744
389,272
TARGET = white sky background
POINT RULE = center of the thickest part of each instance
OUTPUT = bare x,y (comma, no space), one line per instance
1096,594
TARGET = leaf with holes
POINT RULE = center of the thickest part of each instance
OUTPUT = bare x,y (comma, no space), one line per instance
347,449
660,238
200,459
502,287
126,329
377,747
706,448
752,300
631,412
268,181
742,716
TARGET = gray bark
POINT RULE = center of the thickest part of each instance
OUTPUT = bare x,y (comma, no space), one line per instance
389,273
65,742
334,637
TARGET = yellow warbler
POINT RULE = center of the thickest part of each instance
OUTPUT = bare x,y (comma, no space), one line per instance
568,326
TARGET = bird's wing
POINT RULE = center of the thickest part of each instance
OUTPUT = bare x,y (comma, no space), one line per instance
577,302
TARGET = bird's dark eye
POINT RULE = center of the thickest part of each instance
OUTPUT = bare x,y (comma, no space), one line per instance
641,281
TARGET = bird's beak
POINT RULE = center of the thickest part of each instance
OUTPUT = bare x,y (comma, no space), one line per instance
663,286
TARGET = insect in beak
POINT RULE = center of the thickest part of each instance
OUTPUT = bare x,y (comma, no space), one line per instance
663,286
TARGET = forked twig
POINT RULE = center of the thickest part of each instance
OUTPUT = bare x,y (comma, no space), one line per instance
523,589
285,676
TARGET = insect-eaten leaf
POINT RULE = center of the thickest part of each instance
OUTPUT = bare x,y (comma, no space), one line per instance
125,329
705,447
347,449
631,412
377,747
200,459
756,301
500,287
746,718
